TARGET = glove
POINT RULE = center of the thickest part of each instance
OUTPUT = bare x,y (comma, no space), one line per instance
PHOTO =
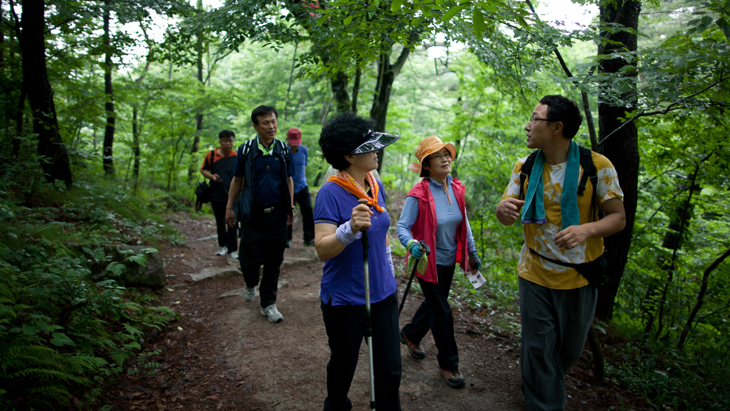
475,262
414,247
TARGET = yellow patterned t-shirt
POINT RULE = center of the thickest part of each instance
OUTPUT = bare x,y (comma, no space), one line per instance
539,237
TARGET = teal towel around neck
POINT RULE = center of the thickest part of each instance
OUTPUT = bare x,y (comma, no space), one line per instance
533,212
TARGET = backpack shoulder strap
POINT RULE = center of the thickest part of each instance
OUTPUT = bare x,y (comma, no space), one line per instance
589,169
526,170
590,172
247,147
211,160
285,153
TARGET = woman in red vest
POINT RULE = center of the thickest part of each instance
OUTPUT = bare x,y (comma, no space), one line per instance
434,212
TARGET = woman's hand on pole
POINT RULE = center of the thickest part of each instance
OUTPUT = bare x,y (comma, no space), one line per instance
414,247
360,218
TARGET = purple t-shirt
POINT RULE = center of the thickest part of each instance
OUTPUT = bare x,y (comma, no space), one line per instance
343,278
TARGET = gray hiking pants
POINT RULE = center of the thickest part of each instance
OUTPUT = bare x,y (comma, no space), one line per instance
555,324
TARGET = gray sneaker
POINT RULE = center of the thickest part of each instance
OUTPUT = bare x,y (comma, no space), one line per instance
272,313
249,293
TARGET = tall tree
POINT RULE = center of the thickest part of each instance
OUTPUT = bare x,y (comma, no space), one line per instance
31,35
623,147
108,153
200,40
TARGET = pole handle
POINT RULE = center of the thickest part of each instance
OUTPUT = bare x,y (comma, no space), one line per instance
365,202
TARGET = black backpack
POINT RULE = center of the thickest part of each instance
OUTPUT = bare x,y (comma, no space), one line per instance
589,171
204,192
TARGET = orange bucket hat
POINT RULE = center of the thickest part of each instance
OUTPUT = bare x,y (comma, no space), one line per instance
426,147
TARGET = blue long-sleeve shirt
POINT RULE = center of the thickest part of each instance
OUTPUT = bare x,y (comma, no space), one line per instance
448,218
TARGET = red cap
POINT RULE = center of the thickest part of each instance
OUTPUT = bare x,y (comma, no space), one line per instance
294,137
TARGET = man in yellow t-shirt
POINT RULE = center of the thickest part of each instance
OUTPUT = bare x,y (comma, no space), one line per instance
557,303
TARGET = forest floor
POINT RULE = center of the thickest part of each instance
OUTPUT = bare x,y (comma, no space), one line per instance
224,355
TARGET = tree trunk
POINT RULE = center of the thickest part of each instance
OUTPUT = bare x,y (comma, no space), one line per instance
339,82
198,116
56,165
109,95
2,37
381,97
291,79
356,89
135,146
622,149
386,77
700,299
17,114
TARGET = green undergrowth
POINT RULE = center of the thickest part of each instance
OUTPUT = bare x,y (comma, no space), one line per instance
62,334
695,378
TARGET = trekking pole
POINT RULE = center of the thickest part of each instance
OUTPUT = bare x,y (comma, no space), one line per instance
427,250
368,317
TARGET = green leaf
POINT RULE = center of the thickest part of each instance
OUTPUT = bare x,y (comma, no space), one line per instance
723,24
348,20
522,22
139,258
487,6
454,11
30,329
395,5
115,268
60,339
479,26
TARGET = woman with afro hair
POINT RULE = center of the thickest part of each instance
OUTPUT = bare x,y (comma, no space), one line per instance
350,146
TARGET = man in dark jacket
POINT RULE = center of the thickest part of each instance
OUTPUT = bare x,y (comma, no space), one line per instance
263,177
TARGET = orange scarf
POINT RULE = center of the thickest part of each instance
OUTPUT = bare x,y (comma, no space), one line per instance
345,180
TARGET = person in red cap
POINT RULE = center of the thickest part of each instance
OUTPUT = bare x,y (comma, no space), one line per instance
300,156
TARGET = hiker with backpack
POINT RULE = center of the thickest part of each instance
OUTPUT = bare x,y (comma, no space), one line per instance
218,166
350,146
263,177
557,192
434,212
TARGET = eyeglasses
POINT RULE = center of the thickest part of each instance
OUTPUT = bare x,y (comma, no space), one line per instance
532,120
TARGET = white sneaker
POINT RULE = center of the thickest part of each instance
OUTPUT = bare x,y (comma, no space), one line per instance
249,293
222,251
273,314
233,255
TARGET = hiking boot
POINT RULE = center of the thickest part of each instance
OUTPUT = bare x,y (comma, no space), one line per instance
249,293
233,255
222,251
272,313
453,378
309,243
413,349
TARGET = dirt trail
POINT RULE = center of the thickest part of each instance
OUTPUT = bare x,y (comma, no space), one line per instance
223,354
288,359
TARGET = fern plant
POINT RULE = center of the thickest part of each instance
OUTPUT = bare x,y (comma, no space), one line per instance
59,331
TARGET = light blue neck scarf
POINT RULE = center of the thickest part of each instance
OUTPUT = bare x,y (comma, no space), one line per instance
533,212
